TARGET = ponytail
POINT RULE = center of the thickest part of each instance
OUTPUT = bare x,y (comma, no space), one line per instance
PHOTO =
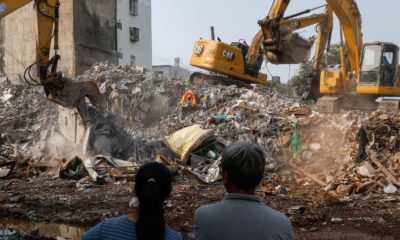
153,186
151,222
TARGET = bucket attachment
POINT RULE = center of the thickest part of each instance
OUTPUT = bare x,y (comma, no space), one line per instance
291,49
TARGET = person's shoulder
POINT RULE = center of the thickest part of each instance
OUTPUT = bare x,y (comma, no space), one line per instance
121,220
275,215
208,208
171,234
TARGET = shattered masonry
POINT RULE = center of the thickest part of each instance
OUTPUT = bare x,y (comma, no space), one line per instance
150,110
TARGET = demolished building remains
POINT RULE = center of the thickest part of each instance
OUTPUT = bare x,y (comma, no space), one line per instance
304,149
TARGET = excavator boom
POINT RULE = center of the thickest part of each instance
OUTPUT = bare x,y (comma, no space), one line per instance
63,91
350,21
373,73
276,41
9,6
99,130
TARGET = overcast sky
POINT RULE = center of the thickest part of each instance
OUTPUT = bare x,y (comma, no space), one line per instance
177,24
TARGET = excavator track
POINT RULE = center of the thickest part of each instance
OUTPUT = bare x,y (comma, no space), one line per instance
199,78
333,104
328,104
389,105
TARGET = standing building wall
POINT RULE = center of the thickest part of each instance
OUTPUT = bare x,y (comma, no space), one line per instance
87,36
95,32
134,35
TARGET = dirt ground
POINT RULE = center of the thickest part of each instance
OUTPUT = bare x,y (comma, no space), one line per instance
310,210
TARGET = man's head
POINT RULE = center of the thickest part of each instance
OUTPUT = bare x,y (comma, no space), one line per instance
243,167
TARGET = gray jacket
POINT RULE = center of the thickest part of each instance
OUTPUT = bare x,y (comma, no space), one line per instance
241,217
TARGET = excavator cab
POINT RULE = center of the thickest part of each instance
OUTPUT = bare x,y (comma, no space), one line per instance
379,65
250,69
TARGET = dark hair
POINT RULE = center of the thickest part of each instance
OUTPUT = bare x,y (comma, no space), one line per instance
153,186
244,164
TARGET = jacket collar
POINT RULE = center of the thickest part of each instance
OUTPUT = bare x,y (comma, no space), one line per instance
246,197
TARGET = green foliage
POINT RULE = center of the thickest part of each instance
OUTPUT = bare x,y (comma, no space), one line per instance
333,57
299,82
282,88
32,218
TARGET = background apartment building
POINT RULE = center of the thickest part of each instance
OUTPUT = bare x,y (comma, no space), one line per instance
173,71
134,39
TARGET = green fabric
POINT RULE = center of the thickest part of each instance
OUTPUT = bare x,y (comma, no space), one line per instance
295,147
362,144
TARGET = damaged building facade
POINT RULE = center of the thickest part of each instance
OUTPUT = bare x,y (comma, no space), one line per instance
89,33
134,38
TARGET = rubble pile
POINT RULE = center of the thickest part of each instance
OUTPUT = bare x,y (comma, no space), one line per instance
374,166
141,97
150,102
137,96
325,140
24,110
239,114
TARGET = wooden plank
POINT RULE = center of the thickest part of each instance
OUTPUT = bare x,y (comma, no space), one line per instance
384,170
306,174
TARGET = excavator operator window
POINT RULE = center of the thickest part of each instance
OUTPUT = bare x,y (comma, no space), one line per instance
389,66
371,65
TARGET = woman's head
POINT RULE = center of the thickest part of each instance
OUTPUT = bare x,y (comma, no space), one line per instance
153,186
153,174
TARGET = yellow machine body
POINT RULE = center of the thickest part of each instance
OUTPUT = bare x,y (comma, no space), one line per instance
373,67
331,82
219,57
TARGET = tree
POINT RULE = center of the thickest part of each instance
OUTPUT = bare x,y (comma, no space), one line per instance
302,80
333,56
299,82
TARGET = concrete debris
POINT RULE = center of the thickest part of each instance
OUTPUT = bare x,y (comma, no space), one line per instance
336,220
324,177
238,114
379,171
8,233
390,189
4,172
160,106
315,147
307,155
148,107
24,110
136,96
101,169
366,170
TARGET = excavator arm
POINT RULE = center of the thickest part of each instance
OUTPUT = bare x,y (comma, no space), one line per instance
322,19
324,31
271,23
9,6
63,91
350,21
281,44
47,21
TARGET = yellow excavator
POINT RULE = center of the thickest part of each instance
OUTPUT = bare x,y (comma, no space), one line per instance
373,79
240,63
101,136
61,90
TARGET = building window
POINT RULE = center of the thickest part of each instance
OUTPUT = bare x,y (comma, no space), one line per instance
134,34
119,25
134,7
133,60
120,56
